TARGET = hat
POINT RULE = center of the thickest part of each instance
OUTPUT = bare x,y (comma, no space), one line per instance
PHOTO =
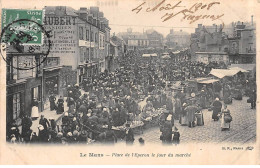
175,129
75,133
169,118
60,134
69,134
66,114
127,125
41,127
13,128
184,104
217,98
141,140
13,140
74,118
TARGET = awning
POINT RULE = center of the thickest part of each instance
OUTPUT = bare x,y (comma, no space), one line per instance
166,57
208,81
146,55
154,55
52,68
247,67
150,55
238,68
221,73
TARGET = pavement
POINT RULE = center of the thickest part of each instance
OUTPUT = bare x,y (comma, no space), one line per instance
48,114
243,128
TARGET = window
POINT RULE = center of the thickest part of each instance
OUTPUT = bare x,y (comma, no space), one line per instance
16,105
87,35
96,37
103,41
81,54
87,54
81,33
92,37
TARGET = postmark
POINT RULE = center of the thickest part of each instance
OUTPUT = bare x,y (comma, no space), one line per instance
17,36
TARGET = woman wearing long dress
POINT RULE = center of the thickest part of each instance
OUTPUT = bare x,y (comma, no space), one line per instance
225,124
60,106
35,110
217,105
183,117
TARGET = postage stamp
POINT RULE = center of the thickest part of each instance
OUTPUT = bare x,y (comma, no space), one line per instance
23,32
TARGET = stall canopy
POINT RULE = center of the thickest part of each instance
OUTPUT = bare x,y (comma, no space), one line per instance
166,57
221,73
206,80
238,68
247,67
150,55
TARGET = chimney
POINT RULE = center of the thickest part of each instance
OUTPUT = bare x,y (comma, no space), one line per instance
252,20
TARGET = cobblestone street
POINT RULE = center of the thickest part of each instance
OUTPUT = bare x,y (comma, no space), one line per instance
243,128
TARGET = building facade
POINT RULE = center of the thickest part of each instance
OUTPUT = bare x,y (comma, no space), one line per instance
134,40
177,39
242,44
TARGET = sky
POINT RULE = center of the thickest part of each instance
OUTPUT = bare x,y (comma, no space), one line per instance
120,15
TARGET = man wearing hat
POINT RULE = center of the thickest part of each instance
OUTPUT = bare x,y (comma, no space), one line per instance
60,106
26,127
52,100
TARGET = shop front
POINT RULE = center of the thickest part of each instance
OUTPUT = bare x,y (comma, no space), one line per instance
15,102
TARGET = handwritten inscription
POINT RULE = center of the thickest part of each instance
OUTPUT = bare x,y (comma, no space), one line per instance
192,14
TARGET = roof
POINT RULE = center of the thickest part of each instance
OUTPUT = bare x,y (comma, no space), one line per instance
116,40
248,67
113,44
237,68
67,10
221,73
219,53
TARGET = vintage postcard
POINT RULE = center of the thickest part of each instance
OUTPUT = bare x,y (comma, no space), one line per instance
129,82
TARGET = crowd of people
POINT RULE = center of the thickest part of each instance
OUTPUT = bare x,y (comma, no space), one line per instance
109,106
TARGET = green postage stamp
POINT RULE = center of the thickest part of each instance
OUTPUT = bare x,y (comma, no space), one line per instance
24,24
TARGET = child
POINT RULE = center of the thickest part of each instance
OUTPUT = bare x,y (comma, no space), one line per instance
176,136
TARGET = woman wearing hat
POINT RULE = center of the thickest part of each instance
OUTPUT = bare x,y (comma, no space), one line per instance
183,118
217,105
176,136
43,135
71,104
35,110
225,118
